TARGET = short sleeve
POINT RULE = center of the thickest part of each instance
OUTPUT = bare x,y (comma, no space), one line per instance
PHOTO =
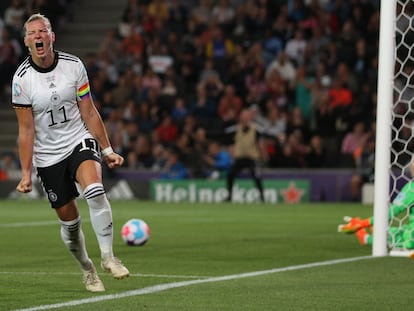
20,91
83,90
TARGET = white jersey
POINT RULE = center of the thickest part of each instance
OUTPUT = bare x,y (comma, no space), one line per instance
53,96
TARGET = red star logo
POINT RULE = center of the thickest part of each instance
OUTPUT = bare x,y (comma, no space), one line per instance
292,194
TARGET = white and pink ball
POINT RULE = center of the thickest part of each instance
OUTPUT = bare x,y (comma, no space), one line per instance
135,232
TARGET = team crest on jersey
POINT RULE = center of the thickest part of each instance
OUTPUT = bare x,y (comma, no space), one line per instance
55,99
17,90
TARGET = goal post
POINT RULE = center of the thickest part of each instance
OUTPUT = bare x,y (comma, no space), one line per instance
386,61
395,127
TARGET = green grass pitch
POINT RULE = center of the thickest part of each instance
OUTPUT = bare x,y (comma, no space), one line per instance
197,259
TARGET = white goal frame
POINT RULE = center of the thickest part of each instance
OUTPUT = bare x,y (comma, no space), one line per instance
383,135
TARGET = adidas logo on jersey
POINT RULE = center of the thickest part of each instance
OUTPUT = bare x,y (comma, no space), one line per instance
52,85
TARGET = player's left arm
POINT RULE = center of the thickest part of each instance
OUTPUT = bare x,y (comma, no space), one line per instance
95,125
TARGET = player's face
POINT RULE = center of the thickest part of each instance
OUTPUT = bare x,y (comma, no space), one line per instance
39,39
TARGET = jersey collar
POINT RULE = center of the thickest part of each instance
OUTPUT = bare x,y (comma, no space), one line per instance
45,70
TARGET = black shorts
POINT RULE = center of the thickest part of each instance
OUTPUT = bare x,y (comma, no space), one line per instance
59,179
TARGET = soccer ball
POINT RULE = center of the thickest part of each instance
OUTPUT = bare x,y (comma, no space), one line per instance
135,232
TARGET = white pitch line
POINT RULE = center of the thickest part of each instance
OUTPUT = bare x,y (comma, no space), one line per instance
145,275
29,224
167,286
34,223
170,276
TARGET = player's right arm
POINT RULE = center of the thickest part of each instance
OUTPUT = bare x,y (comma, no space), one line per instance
26,141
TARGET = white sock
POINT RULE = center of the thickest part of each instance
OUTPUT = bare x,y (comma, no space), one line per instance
101,217
72,235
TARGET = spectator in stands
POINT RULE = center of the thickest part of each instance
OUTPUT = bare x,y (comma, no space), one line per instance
199,146
159,153
130,14
145,119
217,160
230,105
202,11
173,167
254,56
133,42
275,122
284,67
178,16
15,11
299,147
340,95
295,47
213,87
208,71
302,87
354,140
219,48
365,165
122,92
179,111
346,77
316,156
9,164
296,122
140,156
276,89
9,58
167,131
325,121
223,13
158,10
151,80
202,107
255,83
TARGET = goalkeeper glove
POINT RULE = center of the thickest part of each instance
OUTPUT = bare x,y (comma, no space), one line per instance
353,224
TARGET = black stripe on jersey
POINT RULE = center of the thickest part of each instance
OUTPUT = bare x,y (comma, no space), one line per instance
20,106
23,68
66,56
69,59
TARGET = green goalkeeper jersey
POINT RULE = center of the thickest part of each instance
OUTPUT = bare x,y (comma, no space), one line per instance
403,203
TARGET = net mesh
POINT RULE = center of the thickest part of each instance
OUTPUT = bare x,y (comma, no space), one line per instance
402,139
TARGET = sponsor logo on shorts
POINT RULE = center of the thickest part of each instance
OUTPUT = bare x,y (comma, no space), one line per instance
52,196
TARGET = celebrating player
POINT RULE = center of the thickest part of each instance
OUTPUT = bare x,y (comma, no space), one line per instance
62,133
398,237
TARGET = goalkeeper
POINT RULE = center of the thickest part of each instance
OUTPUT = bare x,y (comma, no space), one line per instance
398,237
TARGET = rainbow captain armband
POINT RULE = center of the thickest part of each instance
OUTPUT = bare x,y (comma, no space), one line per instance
353,224
84,91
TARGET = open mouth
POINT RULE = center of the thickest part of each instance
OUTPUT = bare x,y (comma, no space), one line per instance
39,45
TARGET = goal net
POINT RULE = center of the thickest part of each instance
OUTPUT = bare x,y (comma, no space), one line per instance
396,108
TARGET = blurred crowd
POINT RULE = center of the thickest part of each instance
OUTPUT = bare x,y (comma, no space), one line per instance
173,75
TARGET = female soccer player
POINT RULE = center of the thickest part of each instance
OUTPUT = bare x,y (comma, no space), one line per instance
62,134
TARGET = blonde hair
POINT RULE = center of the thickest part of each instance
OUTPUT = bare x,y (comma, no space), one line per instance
35,17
